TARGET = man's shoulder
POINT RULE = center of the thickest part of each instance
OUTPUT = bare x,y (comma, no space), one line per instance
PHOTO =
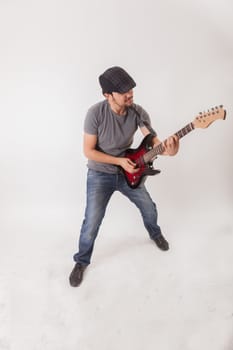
98,107
138,109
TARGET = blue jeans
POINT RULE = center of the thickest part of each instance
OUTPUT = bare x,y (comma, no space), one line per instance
100,187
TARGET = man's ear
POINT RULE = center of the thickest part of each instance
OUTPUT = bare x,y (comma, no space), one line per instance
106,95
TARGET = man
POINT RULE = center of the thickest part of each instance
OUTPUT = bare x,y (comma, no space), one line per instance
108,131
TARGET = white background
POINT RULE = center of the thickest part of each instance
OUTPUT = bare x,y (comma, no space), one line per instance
133,296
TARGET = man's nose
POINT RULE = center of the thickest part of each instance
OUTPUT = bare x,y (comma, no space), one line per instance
129,93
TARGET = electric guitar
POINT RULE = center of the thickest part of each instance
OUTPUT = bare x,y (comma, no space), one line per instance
144,155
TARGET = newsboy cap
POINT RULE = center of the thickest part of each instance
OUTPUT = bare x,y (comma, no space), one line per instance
116,79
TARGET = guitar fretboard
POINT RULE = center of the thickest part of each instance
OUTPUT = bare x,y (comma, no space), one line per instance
159,149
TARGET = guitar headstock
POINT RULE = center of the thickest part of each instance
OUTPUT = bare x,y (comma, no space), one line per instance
204,119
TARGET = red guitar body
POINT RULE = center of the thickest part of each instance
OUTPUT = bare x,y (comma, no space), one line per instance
136,155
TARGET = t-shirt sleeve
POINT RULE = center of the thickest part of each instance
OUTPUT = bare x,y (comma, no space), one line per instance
90,123
144,119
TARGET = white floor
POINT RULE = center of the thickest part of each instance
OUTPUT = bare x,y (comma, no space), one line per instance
133,296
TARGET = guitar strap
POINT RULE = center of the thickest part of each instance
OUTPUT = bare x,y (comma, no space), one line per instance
145,123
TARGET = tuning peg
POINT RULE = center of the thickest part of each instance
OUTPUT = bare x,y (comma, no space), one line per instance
221,106
212,111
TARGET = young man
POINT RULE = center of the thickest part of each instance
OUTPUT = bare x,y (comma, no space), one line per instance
108,132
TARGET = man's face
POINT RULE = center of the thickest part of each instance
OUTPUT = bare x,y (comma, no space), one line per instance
123,100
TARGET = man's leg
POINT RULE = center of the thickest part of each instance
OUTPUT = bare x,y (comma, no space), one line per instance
141,198
99,190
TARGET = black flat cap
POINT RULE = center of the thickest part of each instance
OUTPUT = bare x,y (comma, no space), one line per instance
116,79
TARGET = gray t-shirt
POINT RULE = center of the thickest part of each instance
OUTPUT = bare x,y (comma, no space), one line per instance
115,133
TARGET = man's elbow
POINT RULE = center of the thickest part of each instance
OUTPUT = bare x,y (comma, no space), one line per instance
88,152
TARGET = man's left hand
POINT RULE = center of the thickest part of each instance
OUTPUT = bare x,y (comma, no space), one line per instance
171,145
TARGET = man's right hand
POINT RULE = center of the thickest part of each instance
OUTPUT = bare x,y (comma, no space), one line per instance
128,165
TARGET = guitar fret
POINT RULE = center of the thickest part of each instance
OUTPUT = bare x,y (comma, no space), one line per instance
185,130
153,153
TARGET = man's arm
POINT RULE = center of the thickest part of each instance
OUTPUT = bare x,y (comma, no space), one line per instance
90,151
171,144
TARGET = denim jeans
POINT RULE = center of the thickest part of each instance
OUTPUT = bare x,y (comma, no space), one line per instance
100,187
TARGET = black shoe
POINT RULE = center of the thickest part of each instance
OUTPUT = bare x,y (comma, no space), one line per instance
76,275
161,242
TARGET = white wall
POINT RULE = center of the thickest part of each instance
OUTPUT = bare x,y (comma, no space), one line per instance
52,52
181,55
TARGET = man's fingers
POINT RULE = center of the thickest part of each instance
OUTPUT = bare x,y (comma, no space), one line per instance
171,141
131,163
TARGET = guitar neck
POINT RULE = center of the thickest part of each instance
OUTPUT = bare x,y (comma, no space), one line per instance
159,149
